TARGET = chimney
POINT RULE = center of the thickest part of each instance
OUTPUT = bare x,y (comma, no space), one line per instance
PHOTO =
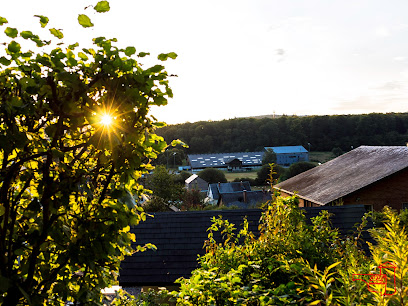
245,196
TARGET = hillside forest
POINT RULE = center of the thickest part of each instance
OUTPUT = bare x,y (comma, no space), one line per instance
323,133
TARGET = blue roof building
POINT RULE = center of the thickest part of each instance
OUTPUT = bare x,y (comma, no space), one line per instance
287,155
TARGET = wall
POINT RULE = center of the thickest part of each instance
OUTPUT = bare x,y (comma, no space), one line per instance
391,191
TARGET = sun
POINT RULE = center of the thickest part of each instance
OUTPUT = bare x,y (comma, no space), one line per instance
106,120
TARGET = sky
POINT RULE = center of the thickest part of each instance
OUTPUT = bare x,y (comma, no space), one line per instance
256,57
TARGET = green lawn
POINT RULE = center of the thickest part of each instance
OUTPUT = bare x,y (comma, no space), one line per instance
233,175
320,157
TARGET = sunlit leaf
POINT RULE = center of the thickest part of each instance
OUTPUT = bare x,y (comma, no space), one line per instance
4,61
57,33
14,47
43,20
82,56
11,32
26,34
130,51
3,21
85,21
102,7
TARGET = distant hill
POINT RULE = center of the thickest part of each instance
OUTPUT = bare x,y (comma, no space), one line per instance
322,132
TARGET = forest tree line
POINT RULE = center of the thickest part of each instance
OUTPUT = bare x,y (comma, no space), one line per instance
323,133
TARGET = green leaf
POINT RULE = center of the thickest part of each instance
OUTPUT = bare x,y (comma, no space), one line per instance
130,51
143,54
102,7
26,34
11,32
165,56
162,56
2,210
4,61
73,46
3,21
82,56
172,55
85,21
14,47
57,33
43,20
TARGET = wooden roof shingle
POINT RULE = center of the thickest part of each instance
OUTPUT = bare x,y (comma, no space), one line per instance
347,173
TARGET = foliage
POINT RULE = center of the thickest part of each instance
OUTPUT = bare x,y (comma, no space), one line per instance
150,297
212,176
269,157
192,199
337,152
156,204
67,180
323,132
263,178
297,168
181,177
162,183
291,262
171,157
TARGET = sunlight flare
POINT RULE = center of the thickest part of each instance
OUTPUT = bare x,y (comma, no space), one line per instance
106,120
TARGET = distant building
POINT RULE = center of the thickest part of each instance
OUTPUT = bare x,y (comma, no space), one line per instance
244,199
285,156
195,182
370,175
232,161
215,190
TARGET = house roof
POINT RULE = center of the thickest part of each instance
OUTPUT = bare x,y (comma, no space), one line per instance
287,149
219,160
191,178
233,187
179,238
238,198
347,173
216,189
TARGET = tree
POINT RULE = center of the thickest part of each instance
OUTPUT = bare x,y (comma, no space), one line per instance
212,176
297,168
75,136
269,157
163,184
263,175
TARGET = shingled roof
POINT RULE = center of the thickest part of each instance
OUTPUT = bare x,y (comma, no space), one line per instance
179,238
347,173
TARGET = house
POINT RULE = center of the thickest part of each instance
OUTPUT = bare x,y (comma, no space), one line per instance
180,237
234,164
287,155
233,161
194,182
214,190
244,199
374,176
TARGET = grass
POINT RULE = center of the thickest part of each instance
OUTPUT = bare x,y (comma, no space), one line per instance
320,157
233,175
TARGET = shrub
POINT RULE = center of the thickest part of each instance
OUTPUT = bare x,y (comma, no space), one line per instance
292,262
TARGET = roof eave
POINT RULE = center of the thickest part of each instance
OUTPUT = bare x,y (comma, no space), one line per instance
300,196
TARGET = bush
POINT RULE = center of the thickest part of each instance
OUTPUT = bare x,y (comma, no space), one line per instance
296,169
292,262
212,176
156,204
263,175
